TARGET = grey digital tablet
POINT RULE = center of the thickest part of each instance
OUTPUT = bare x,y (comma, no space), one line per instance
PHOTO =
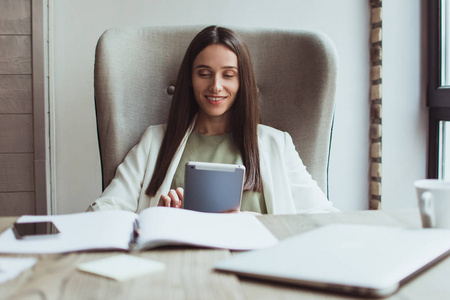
212,187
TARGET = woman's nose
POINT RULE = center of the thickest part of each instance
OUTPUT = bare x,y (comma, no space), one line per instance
216,86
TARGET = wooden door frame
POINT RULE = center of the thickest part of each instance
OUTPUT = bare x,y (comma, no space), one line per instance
40,105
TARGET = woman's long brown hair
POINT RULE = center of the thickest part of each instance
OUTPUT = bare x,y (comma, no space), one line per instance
245,113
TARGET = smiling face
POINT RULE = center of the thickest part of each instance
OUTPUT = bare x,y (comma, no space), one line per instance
215,81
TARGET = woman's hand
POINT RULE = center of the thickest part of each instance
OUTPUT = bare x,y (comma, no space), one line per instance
231,211
173,199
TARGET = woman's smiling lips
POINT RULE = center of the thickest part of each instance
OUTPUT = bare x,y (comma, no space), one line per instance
215,100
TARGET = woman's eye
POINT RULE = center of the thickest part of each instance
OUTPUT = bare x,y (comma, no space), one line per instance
229,75
204,74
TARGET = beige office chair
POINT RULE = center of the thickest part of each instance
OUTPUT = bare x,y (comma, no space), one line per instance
136,70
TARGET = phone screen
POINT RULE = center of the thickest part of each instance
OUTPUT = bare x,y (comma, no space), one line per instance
34,229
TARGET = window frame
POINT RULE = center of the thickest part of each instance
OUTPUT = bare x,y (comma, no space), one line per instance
438,97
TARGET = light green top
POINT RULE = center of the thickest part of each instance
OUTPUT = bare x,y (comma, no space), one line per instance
217,149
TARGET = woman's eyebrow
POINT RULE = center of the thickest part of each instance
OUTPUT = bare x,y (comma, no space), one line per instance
208,67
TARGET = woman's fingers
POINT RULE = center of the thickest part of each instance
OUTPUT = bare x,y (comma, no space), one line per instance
180,193
164,201
175,199
231,211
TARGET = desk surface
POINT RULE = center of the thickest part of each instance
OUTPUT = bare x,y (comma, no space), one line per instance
189,273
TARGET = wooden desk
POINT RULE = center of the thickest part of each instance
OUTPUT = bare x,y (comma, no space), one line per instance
189,273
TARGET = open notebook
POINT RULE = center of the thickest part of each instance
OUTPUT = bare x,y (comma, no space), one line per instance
357,259
159,226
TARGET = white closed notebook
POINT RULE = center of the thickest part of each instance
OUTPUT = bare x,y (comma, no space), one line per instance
356,259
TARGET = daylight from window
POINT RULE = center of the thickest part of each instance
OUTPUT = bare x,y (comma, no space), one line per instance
444,150
445,45
444,126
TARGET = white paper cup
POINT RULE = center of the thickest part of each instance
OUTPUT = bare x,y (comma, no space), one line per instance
434,202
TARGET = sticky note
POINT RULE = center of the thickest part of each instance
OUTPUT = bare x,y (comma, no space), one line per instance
122,267
11,267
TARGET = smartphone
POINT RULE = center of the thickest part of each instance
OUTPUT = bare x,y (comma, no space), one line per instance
35,230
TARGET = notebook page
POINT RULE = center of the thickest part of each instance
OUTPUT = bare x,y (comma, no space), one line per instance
82,231
171,226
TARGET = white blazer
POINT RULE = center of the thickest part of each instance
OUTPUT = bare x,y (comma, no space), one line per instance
288,188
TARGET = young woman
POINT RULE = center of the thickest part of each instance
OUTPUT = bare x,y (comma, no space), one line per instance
214,117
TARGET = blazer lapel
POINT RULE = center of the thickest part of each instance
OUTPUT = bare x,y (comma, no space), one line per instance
266,177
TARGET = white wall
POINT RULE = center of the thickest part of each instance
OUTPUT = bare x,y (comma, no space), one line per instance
78,25
405,116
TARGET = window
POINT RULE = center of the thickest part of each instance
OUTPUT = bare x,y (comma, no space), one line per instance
439,89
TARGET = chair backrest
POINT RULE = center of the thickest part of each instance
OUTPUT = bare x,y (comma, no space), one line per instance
136,68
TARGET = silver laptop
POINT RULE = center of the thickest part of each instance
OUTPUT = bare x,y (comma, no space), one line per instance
372,261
